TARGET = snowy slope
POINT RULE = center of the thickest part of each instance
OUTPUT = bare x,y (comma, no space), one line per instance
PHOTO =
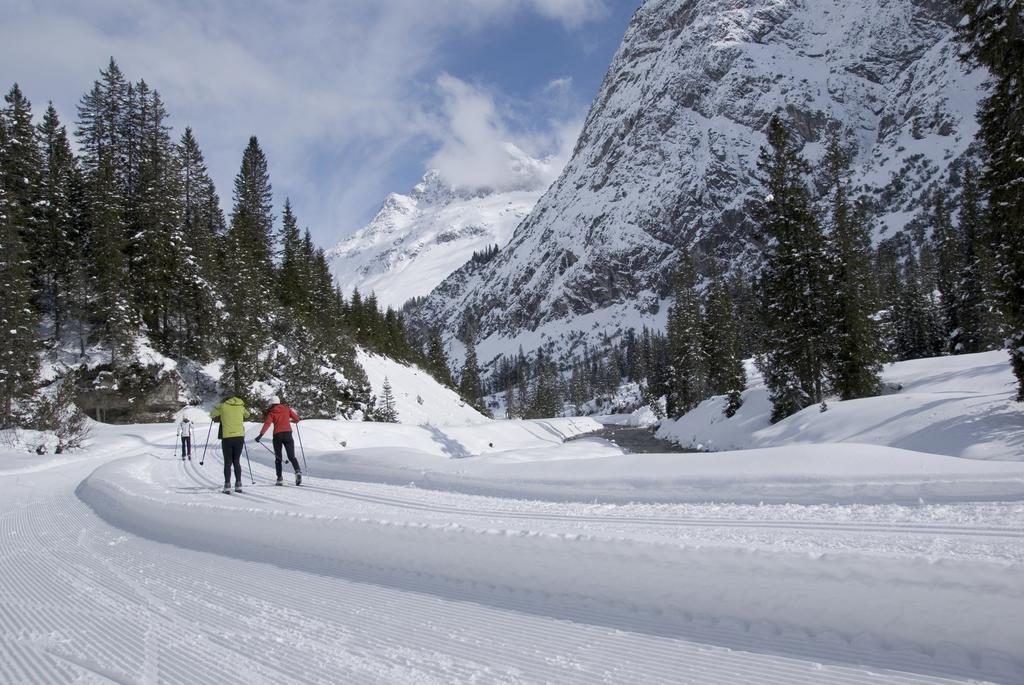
418,397
668,152
415,241
959,406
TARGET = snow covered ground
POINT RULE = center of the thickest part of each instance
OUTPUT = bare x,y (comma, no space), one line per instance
498,552
959,406
419,398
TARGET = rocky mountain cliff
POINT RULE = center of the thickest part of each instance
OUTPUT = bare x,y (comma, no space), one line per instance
668,152
417,240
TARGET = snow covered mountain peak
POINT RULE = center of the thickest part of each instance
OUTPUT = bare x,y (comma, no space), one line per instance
417,240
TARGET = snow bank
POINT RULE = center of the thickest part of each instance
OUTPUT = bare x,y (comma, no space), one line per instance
958,406
643,417
444,442
527,459
861,601
420,399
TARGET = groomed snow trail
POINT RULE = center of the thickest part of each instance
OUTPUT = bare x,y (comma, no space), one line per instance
85,601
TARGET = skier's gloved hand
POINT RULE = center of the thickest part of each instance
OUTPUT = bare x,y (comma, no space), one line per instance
258,438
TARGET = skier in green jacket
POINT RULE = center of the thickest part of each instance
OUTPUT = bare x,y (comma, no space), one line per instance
231,414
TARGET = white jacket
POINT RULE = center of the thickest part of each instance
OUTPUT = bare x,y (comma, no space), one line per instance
185,429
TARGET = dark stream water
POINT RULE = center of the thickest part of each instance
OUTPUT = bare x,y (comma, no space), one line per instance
636,440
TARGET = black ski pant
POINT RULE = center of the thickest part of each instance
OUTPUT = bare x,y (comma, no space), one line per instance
284,439
232,449
186,446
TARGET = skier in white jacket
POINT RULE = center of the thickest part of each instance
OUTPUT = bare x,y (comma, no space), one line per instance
185,432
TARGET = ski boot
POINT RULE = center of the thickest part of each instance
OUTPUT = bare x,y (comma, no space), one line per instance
238,487
227,489
298,477
280,481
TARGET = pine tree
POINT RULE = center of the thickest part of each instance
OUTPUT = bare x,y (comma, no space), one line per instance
993,33
469,379
856,338
793,281
160,268
545,399
976,304
916,319
725,374
388,407
437,360
293,266
946,245
100,125
22,167
687,359
59,262
248,270
202,230
252,220
18,321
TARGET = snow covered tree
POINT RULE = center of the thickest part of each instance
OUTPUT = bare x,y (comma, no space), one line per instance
725,374
686,354
977,308
62,244
99,131
993,32
946,245
856,350
916,318
159,266
18,321
793,283
545,399
21,168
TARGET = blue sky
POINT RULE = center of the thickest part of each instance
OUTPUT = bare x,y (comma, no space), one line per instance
351,99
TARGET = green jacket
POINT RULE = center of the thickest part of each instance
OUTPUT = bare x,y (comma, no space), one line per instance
232,413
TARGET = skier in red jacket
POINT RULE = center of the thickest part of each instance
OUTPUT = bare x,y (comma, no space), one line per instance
282,416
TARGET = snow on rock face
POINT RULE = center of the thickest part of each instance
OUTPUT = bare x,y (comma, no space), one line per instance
417,240
668,153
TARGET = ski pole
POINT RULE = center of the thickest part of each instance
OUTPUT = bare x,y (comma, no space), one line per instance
301,449
247,460
208,430
269,450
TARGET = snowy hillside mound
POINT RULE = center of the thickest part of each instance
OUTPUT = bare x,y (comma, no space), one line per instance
668,153
415,241
958,406
419,398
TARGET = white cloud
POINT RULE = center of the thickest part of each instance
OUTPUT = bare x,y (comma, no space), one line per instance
572,13
480,150
338,93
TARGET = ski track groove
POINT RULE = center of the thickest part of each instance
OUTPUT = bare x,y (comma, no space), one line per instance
885,528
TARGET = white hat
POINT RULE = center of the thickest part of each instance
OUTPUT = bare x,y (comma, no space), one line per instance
275,400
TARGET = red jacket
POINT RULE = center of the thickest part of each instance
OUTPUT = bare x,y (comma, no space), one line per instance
279,415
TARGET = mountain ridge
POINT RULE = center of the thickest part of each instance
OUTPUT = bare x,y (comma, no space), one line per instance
667,155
